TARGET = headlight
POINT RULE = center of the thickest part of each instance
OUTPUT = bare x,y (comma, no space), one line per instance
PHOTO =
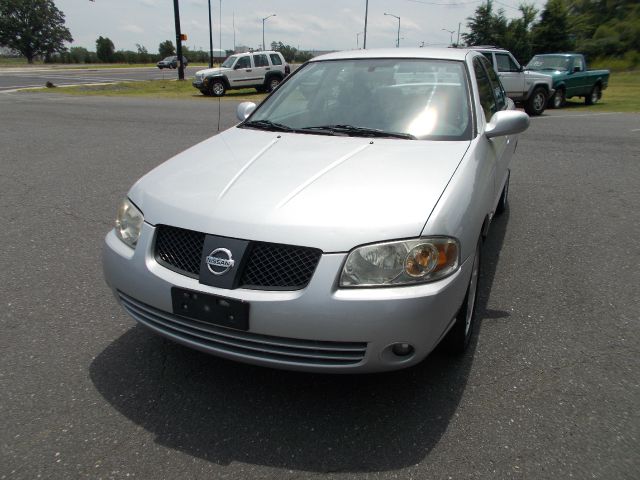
129,222
401,263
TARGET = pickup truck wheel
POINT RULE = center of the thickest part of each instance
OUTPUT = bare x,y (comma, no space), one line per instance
217,88
536,102
272,84
594,96
558,99
504,197
457,339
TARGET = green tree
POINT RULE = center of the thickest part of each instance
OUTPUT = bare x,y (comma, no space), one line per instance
105,49
551,33
33,27
166,49
486,27
518,38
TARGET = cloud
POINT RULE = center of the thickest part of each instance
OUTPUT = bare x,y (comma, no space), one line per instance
130,27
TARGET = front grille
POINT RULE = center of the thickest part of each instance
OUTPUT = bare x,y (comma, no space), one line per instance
270,266
287,351
279,266
179,249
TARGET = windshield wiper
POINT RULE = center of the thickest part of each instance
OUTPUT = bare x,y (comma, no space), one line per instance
268,125
357,131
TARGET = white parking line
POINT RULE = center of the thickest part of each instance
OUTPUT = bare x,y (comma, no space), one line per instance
576,115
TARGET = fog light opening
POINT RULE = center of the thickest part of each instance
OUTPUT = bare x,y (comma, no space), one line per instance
402,349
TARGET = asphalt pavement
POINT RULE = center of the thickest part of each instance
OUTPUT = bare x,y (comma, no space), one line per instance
549,390
28,77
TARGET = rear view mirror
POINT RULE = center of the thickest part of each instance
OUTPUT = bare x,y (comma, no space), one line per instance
507,122
244,110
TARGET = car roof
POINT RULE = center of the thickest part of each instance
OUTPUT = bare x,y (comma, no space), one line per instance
431,53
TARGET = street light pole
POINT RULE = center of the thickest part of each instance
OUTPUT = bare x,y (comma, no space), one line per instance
395,16
358,39
458,41
210,39
451,32
366,13
263,20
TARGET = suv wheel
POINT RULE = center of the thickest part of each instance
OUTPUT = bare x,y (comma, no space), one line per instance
217,88
536,102
272,83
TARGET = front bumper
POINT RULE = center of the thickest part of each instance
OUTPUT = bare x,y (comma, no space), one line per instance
320,328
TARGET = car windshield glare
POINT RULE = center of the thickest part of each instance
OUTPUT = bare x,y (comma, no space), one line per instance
228,63
548,62
406,98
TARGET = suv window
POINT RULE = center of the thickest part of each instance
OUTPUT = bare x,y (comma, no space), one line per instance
498,91
487,99
578,63
260,60
488,56
243,62
275,59
506,63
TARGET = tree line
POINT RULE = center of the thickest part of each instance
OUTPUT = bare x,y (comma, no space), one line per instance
597,28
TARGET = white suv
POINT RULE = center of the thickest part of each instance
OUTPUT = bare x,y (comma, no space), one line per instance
260,70
530,89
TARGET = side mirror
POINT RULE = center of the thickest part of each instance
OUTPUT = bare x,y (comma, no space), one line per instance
507,122
245,109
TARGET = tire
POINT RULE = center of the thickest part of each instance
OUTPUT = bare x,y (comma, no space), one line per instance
457,340
594,96
503,203
558,99
536,102
217,88
272,83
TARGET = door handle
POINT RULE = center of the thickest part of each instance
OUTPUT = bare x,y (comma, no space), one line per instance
267,68
248,70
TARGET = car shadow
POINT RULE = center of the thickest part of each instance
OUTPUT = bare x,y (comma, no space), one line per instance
224,412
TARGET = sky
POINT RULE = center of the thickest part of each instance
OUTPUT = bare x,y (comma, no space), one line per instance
303,24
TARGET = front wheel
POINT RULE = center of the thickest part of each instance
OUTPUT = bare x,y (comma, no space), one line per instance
217,88
536,102
457,340
558,99
594,96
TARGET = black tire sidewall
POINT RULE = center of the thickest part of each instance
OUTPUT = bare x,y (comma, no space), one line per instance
530,105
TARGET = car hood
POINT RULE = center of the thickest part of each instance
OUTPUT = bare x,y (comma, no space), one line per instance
327,192
536,75
212,71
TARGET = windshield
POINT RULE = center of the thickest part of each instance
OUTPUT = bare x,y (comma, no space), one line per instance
404,98
228,63
548,62
168,59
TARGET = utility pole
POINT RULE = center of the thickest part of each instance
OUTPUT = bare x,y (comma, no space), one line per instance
234,31
366,13
176,12
210,39
458,41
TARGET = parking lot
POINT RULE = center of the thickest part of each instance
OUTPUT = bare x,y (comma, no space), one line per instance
550,388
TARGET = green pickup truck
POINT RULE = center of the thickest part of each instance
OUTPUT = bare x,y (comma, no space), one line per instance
570,77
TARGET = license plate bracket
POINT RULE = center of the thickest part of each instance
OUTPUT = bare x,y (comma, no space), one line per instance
212,309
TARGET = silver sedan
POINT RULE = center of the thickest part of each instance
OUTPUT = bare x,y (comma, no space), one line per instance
338,227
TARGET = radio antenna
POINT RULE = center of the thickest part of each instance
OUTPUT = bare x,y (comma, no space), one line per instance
220,29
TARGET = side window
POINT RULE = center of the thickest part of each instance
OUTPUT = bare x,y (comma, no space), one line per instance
275,59
498,90
487,99
506,63
488,56
260,60
578,63
243,62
